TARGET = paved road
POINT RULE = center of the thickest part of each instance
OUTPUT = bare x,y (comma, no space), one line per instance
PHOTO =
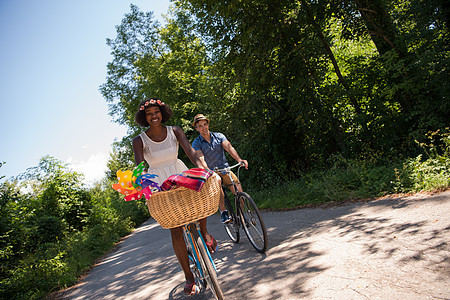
394,248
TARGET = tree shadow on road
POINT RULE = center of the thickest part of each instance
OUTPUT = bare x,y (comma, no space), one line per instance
301,246
302,241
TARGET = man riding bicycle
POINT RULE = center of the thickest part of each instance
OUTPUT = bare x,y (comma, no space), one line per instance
210,148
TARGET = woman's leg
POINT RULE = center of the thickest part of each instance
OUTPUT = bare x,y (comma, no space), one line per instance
181,252
209,240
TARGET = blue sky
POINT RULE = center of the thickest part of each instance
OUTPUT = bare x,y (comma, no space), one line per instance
53,58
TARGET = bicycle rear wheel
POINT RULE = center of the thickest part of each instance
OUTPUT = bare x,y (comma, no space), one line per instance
209,272
232,228
252,222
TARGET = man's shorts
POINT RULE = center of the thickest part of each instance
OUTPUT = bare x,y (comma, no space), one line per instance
226,181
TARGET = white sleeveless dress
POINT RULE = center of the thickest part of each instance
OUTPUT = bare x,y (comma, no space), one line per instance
162,157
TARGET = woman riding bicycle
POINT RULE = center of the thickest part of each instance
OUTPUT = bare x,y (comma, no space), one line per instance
210,148
158,146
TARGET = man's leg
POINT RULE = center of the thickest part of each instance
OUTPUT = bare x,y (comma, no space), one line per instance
223,209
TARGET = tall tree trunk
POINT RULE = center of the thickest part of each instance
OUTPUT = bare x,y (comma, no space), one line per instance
384,35
380,26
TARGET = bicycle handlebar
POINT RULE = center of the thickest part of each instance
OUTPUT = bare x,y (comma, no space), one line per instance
240,164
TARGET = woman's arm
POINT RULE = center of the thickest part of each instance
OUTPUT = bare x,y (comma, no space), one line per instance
138,150
202,158
184,142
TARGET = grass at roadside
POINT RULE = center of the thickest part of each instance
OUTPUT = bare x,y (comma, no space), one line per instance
350,180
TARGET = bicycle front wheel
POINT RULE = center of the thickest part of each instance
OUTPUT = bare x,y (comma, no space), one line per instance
194,261
252,222
209,272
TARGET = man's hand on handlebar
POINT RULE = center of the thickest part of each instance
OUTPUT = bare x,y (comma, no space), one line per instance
244,163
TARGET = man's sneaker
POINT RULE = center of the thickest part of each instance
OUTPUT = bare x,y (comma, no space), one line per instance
225,217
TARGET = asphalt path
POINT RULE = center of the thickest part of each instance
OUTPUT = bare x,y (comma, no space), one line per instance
391,248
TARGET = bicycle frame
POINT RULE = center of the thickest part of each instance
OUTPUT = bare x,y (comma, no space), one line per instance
200,260
236,192
236,212
195,253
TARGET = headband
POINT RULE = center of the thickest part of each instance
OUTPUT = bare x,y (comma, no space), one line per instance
151,102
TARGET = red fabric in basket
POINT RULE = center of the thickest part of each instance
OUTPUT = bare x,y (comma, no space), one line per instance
193,179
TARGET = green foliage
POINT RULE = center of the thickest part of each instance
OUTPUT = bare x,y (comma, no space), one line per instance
356,180
36,274
282,99
323,109
1,165
291,83
149,61
418,175
59,193
347,179
432,173
130,212
52,228
120,158
344,180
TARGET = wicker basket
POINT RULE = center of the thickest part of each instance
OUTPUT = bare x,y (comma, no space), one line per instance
181,205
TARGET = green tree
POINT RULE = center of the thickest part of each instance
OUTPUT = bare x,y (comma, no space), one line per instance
148,60
291,83
1,165
275,63
411,38
120,158
52,228
169,62
252,37
11,227
59,195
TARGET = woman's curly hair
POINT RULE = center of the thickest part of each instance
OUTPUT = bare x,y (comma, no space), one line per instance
140,114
